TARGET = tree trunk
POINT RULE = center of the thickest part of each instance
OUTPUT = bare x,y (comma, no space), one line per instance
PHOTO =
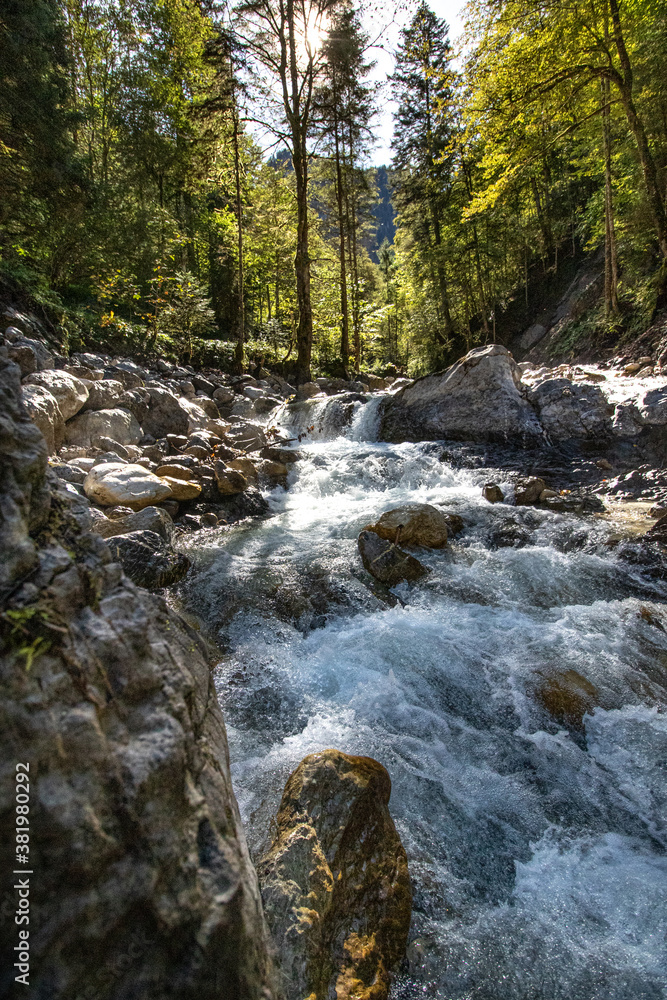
239,353
440,269
624,83
345,322
610,258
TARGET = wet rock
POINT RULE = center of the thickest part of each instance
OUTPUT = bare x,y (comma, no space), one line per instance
249,503
103,395
131,485
478,399
42,408
229,481
567,697
147,559
527,491
508,534
493,493
335,883
273,470
418,524
284,455
69,391
119,425
153,519
386,561
569,410
658,533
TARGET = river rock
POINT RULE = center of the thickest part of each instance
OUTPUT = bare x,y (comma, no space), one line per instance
182,489
246,467
103,395
386,561
223,396
480,398
44,412
148,559
30,355
413,524
229,481
153,519
146,886
569,410
493,493
653,407
335,882
567,697
166,413
527,491
70,392
131,485
87,428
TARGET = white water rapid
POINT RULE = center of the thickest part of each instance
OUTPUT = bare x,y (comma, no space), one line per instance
536,841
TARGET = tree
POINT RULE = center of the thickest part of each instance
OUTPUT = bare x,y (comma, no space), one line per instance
422,85
282,38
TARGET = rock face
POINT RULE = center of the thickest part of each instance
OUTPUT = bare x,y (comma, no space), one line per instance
118,424
146,888
386,561
477,399
130,485
147,559
335,883
568,410
70,392
413,524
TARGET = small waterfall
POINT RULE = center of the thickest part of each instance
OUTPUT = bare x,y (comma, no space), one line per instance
319,419
366,420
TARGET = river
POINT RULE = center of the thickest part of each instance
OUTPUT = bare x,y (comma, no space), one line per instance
516,696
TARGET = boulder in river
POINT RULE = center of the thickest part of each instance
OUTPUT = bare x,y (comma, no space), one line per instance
335,882
131,485
418,524
569,410
480,398
493,493
528,491
567,697
148,559
386,561
229,481
70,392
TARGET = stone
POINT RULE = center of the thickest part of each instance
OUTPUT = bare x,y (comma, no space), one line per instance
229,481
43,409
247,469
252,392
386,561
69,391
130,377
24,496
226,453
493,493
569,410
411,524
30,355
335,883
480,398
69,473
223,396
632,368
284,455
658,532
273,470
109,445
153,519
177,441
87,428
567,697
170,506
147,559
84,372
307,389
174,470
548,495
103,395
604,464
653,407
167,414
527,491
182,489
627,420
247,436
131,485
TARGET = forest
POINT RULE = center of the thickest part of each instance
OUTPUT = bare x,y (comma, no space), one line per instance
195,178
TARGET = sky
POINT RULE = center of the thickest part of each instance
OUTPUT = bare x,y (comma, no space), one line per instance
450,10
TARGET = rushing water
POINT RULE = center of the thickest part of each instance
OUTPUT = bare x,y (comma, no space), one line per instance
536,841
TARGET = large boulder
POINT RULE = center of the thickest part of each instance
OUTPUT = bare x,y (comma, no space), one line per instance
335,882
653,407
30,355
119,425
44,412
569,410
131,486
148,559
103,395
146,888
70,392
166,413
480,398
153,519
24,496
413,524
386,561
